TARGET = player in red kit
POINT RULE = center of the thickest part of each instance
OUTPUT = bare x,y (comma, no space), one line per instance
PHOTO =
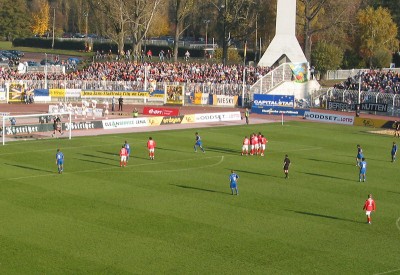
245,146
369,206
264,142
151,144
123,153
259,137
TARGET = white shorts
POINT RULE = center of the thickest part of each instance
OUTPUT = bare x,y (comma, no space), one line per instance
252,146
368,213
245,148
256,146
263,146
123,158
151,150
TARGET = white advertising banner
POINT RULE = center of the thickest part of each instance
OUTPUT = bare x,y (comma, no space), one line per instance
330,118
73,92
125,123
225,100
214,117
2,94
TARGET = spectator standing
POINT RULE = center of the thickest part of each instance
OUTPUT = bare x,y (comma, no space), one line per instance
113,104
120,103
161,55
149,55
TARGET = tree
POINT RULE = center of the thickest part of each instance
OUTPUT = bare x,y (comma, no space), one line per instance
13,22
140,18
322,16
41,18
326,57
117,13
181,9
377,33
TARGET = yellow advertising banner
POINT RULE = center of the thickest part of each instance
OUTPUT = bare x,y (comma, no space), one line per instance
16,93
188,119
113,93
174,94
369,122
197,98
57,92
155,121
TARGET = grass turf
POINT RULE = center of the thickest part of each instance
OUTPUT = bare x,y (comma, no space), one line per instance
176,215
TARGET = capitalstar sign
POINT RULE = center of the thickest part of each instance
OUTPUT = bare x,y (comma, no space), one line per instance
214,117
273,100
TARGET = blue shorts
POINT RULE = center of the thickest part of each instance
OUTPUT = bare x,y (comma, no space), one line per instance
60,162
363,171
360,156
198,143
233,185
129,151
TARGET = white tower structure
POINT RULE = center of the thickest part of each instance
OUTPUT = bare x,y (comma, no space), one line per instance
284,47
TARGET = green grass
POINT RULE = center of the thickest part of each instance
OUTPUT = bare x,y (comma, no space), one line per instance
175,215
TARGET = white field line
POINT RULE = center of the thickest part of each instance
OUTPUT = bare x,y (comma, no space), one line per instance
75,147
388,272
119,168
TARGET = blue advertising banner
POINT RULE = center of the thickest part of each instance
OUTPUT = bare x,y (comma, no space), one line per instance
267,110
41,92
273,100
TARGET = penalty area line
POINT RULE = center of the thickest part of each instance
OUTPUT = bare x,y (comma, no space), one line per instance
388,272
119,168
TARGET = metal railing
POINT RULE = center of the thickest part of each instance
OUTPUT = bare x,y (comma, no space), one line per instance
352,97
272,79
344,74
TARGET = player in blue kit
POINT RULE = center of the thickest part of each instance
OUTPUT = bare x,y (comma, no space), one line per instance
233,179
198,143
128,149
60,161
360,155
394,151
363,169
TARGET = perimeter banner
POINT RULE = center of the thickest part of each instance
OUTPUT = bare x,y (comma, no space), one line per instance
160,111
273,100
278,111
2,94
174,94
375,123
201,98
330,118
16,92
57,92
214,117
89,93
125,123
225,100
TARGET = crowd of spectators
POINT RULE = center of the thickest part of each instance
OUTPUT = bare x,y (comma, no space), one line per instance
373,81
159,72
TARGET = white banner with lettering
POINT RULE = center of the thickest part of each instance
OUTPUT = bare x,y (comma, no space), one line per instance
331,118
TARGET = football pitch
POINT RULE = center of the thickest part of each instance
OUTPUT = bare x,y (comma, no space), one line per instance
176,214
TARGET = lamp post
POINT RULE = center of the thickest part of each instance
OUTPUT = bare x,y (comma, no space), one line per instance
86,14
54,24
45,71
206,22
224,42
